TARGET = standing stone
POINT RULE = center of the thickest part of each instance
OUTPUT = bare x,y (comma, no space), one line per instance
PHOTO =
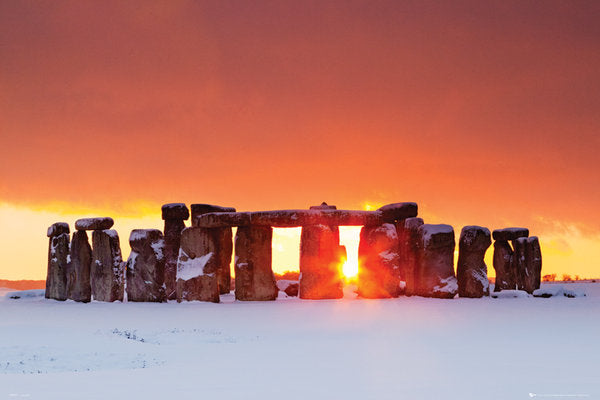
173,214
321,259
58,260
437,277
198,266
536,260
471,270
395,212
223,238
78,275
107,276
520,262
379,262
507,234
146,266
503,264
409,240
254,279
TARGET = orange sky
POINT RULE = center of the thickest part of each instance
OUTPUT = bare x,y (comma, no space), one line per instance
482,113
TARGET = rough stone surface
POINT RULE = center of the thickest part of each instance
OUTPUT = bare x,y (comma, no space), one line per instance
178,211
409,242
107,277
58,260
224,242
436,246
398,211
78,271
528,263
471,270
254,279
520,263
510,233
504,266
292,289
91,224
146,266
201,209
172,235
379,262
198,266
58,228
536,260
323,206
321,259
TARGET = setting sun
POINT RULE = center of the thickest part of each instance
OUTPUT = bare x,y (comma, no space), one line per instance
350,269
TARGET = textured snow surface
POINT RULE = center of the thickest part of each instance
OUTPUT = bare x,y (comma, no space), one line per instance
189,268
405,348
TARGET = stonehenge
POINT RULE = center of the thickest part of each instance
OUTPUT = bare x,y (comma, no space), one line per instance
58,260
146,266
398,254
471,270
174,215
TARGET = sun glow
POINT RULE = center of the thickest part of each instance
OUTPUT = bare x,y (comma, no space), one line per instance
350,269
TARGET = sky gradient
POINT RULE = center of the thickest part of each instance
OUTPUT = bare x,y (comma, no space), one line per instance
485,114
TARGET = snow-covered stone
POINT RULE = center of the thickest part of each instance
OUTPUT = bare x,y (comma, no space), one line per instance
321,259
198,266
557,291
107,277
520,265
510,294
290,288
436,261
90,224
504,266
471,269
57,228
379,262
535,261
409,239
174,215
254,279
58,260
146,266
323,206
510,233
78,270
177,211
398,211
201,209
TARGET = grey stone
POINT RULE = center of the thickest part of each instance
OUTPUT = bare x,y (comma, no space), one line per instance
471,270
201,209
57,228
504,266
321,259
409,247
58,260
323,206
536,259
172,236
398,211
510,233
107,276
146,266
198,266
254,279
520,264
78,271
91,224
436,272
177,211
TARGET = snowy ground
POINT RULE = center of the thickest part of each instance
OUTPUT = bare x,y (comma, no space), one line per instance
406,348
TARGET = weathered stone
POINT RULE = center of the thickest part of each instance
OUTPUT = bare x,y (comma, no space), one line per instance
91,224
107,275
198,266
172,236
471,269
254,279
398,211
58,260
78,270
520,263
536,259
57,228
289,287
323,206
409,242
379,262
504,266
146,266
436,274
289,218
321,259
201,209
178,211
510,233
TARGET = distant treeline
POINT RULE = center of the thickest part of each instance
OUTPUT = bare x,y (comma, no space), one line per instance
23,284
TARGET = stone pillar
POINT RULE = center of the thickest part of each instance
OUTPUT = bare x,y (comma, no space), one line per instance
471,270
409,241
173,214
504,258
535,260
321,259
254,279
146,266
198,266
107,273
58,260
436,275
378,262
78,275
223,238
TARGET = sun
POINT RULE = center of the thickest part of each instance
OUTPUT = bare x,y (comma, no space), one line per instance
350,269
